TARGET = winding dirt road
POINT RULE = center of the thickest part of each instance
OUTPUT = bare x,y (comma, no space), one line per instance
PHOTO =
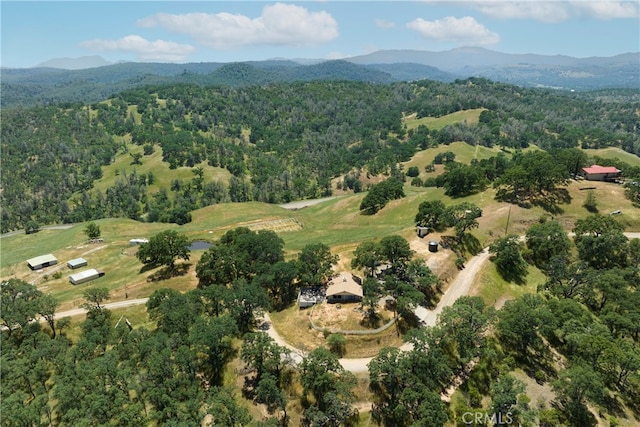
459,287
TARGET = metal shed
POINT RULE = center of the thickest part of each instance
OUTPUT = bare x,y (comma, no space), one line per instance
42,261
76,263
134,242
422,231
85,276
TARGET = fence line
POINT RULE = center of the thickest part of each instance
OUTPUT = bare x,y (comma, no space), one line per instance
350,332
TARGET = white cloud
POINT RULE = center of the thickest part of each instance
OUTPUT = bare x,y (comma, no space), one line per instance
466,31
158,50
383,23
608,9
556,10
545,11
279,24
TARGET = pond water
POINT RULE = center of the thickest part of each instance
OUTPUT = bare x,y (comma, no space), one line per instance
199,245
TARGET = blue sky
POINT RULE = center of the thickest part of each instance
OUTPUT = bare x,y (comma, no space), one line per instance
217,31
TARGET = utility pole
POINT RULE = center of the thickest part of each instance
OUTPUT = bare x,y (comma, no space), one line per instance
506,227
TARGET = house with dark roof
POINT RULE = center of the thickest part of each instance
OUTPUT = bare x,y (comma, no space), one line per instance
601,173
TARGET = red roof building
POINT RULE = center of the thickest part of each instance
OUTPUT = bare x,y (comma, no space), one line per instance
601,173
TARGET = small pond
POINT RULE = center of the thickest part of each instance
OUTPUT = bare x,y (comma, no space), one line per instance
199,245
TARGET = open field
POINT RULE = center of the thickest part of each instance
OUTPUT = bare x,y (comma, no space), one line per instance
465,116
153,163
336,222
495,291
615,153
463,151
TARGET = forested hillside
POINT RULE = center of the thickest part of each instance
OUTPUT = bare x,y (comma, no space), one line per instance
279,142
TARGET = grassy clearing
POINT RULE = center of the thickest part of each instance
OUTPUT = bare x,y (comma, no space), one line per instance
115,256
153,163
615,153
336,222
437,123
494,290
463,151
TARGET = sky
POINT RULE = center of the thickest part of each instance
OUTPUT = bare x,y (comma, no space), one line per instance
225,31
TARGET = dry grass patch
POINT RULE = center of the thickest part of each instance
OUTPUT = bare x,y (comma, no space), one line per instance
465,116
343,316
293,325
540,394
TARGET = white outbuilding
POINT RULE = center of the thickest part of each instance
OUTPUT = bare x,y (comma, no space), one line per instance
76,263
85,276
42,261
134,242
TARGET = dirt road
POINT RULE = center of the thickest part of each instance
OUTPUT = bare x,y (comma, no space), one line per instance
304,203
459,287
111,305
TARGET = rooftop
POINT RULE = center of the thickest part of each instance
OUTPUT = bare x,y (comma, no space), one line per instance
342,283
601,169
42,259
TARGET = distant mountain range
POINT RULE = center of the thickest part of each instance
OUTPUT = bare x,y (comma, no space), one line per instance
75,63
90,79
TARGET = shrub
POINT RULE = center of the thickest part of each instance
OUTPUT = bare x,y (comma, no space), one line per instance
337,344
413,171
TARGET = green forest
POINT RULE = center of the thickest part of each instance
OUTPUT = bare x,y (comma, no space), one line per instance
278,142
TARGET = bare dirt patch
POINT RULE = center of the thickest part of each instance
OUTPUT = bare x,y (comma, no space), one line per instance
344,316
442,263
295,329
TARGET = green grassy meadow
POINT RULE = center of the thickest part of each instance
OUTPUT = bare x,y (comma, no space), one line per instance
154,164
615,153
437,123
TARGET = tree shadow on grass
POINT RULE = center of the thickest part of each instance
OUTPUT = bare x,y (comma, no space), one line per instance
471,244
371,320
631,398
510,276
614,405
407,322
147,267
549,201
537,361
168,272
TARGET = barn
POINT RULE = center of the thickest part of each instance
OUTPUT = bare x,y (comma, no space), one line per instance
76,263
42,261
601,173
85,276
